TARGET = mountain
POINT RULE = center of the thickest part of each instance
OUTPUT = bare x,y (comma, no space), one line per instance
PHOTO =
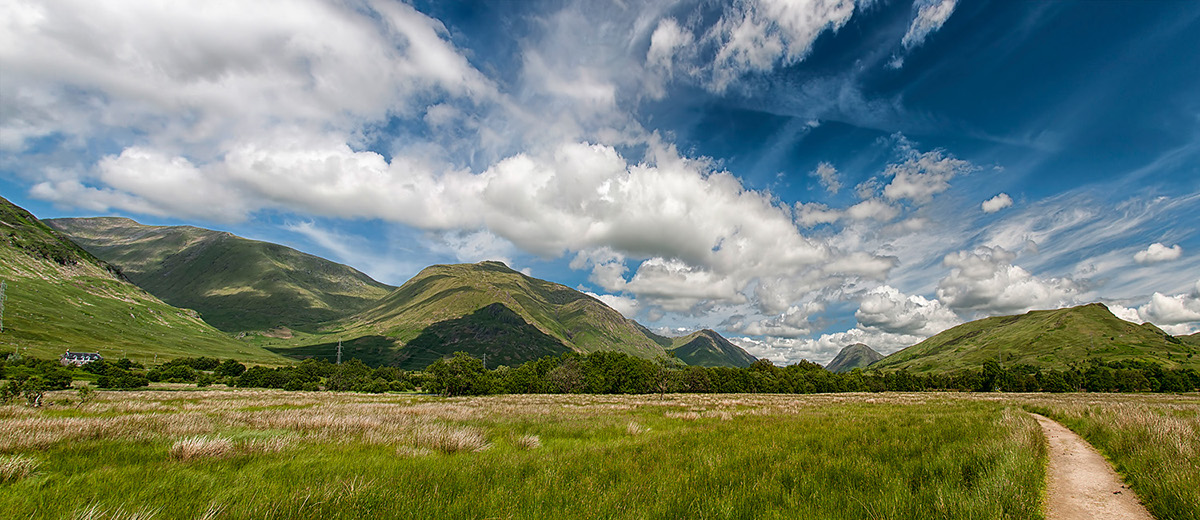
1191,339
852,357
1047,339
235,283
59,297
485,308
706,348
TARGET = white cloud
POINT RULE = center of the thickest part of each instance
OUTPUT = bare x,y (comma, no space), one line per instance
922,175
813,213
1172,310
755,35
997,203
194,77
828,175
986,282
931,15
1177,315
1158,252
668,39
872,209
628,307
889,310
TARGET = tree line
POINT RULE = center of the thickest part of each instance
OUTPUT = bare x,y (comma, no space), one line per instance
596,373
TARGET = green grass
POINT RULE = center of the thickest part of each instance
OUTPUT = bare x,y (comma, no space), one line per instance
352,456
1154,444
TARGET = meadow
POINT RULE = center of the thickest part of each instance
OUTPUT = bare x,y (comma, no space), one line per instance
273,454
219,453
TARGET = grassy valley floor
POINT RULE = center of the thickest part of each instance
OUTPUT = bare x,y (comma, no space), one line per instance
273,454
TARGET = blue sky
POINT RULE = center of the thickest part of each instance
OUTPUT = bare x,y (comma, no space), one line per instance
798,176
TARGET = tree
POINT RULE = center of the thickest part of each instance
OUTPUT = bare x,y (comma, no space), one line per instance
459,375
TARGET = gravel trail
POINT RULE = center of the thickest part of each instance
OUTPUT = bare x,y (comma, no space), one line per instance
1081,485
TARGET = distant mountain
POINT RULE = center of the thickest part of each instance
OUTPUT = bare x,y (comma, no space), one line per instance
235,283
60,297
1048,339
706,348
485,308
852,357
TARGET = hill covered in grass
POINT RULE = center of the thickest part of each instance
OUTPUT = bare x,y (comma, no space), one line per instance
1046,339
706,348
488,308
60,297
235,283
853,356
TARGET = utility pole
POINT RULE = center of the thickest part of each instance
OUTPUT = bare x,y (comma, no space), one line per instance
3,288
339,354
485,360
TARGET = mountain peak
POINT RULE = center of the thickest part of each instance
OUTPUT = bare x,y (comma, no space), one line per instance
853,356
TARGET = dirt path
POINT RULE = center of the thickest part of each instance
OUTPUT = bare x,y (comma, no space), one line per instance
1081,485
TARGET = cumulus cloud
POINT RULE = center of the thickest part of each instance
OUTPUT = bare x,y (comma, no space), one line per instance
986,282
183,75
997,203
922,175
889,310
1176,314
1158,252
828,176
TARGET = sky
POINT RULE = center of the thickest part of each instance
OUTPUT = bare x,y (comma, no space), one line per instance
798,176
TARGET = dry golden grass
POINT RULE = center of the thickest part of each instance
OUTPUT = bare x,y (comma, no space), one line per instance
449,439
200,447
16,467
528,442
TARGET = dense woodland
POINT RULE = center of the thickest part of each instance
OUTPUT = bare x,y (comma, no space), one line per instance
597,373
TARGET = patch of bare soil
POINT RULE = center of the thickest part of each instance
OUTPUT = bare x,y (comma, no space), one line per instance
1081,485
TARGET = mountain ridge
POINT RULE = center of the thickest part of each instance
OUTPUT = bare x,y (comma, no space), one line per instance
237,284
61,297
1045,339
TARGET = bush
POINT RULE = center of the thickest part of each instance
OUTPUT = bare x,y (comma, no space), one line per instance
122,379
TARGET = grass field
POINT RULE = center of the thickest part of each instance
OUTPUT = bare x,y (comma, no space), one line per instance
271,454
1152,440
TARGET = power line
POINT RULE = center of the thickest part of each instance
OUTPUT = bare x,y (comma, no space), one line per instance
3,296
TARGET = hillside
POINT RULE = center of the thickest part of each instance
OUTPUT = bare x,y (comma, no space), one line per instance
706,348
1048,339
852,357
236,284
487,308
60,297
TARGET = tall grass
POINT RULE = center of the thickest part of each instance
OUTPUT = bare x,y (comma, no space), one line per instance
1153,441
902,456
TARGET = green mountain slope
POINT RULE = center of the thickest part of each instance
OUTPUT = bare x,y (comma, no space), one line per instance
706,348
1191,339
1048,339
237,284
60,297
488,308
852,357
